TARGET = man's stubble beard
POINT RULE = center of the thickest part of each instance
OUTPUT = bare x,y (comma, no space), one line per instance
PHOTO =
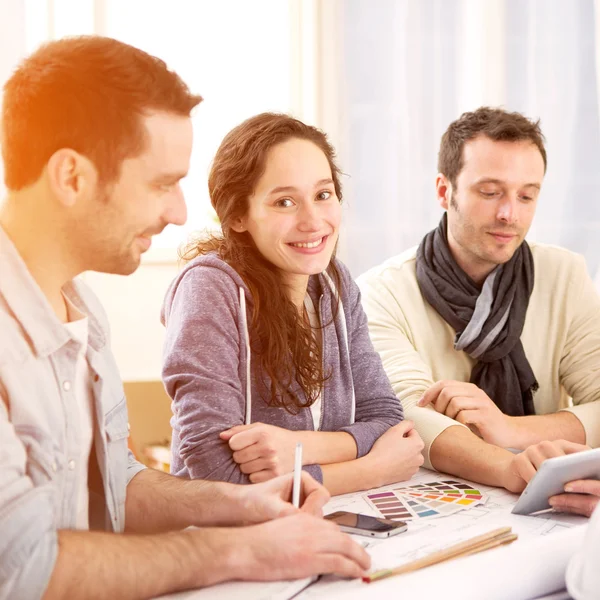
466,228
111,254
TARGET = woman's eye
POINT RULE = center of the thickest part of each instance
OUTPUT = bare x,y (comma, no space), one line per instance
324,195
284,203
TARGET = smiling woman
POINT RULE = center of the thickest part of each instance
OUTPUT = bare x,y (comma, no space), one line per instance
295,227
269,202
267,343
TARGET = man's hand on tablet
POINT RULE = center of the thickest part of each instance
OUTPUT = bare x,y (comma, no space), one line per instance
581,497
523,466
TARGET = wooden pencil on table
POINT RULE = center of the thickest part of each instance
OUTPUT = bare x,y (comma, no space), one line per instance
491,539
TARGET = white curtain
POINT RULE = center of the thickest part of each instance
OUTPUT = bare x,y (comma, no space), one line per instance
12,47
410,67
550,48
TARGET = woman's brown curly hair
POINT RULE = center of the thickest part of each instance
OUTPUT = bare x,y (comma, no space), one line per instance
289,355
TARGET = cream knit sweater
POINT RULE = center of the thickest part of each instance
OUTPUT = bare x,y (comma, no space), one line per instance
561,338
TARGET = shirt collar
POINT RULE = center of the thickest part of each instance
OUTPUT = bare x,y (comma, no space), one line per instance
32,309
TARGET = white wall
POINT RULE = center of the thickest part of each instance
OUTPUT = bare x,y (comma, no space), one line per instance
235,84
133,307
12,45
12,35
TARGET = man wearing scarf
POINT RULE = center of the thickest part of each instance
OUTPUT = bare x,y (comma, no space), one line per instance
491,343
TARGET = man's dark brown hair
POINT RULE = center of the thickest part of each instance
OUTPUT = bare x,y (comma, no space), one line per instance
495,123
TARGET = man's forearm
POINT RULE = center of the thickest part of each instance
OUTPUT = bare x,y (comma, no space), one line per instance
458,451
563,425
102,565
158,502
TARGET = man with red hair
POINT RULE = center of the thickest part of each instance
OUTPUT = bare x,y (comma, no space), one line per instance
96,136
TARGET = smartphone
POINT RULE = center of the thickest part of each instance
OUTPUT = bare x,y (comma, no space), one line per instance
366,525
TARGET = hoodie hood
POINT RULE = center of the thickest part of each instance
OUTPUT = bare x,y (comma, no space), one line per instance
206,261
212,261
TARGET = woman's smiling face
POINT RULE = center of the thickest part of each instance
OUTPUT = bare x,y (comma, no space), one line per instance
294,214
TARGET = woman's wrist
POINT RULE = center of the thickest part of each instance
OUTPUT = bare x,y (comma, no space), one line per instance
324,447
351,476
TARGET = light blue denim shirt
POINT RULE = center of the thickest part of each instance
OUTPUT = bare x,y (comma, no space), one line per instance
39,441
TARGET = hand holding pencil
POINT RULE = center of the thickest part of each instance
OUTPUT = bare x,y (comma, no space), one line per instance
274,498
298,544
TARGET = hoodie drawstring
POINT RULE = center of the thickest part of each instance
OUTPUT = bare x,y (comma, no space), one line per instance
248,418
341,319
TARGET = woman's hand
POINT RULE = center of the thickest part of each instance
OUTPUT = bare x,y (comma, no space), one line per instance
262,451
395,456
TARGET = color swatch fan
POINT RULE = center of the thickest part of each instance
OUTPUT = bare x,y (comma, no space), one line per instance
425,500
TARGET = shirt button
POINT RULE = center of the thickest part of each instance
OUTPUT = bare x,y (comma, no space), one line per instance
54,466
71,465
66,385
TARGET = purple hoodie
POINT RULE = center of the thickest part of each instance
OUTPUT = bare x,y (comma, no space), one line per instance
205,370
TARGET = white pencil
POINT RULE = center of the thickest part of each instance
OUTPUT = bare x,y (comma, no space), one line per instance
297,475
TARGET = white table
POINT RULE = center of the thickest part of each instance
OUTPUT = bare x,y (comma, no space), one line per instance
538,558
552,535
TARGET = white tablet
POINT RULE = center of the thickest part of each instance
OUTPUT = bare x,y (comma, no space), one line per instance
552,477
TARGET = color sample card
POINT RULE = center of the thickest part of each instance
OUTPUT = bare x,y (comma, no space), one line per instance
422,501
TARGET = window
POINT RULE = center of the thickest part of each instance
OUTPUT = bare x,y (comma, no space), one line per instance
240,70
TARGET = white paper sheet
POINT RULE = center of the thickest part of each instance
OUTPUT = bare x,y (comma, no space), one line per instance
532,566
245,590
537,561
516,572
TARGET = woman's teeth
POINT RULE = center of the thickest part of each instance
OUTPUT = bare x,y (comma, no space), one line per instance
308,244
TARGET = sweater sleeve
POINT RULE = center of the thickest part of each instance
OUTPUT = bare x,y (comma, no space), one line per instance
377,408
579,368
201,372
408,373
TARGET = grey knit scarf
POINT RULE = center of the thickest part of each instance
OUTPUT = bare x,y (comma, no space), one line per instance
488,322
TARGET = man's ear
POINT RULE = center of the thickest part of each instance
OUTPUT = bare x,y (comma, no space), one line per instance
71,176
443,189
